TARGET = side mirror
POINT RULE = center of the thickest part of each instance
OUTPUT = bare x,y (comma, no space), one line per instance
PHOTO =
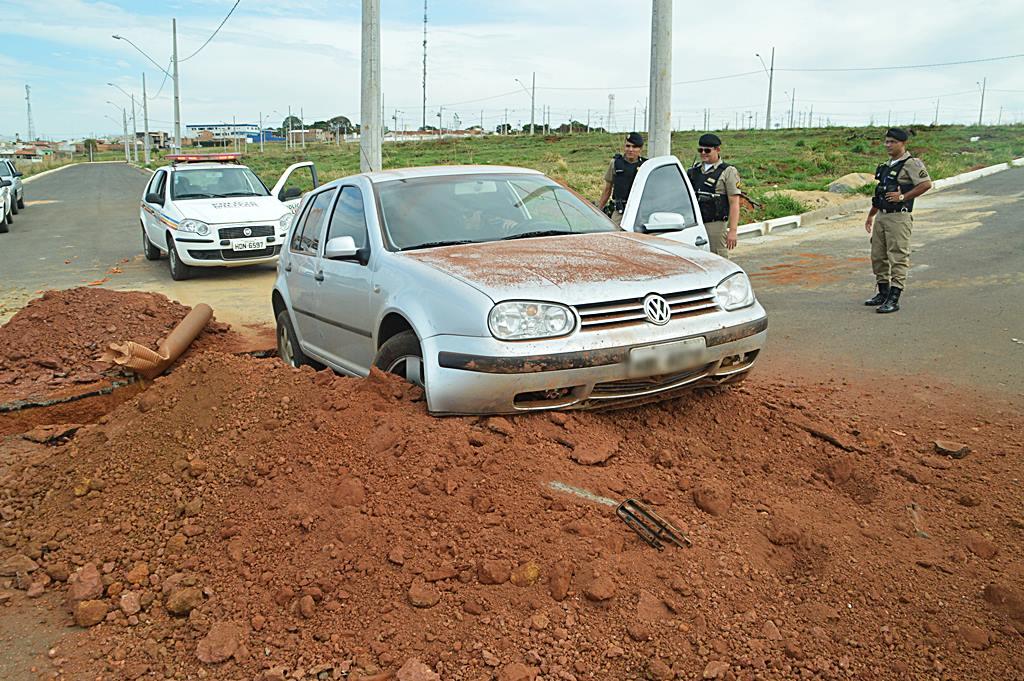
665,222
289,193
18,173
153,197
5,183
341,248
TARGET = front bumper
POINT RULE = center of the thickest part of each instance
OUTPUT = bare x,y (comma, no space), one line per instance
212,251
467,375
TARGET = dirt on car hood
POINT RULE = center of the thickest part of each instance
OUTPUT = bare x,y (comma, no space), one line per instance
233,209
584,261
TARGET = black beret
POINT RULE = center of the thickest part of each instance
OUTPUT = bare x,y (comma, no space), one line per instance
709,140
635,138
897,134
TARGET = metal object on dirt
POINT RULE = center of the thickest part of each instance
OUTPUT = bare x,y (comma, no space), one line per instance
651,527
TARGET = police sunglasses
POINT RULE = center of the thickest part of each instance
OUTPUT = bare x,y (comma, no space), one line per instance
631,146
705,150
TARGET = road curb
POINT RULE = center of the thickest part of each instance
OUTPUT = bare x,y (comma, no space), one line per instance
822,214
30,178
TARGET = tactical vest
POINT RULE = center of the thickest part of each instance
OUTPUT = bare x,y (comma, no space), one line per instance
714,207
887,182
625,173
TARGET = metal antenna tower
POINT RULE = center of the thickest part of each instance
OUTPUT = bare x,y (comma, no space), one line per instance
28,106
424,64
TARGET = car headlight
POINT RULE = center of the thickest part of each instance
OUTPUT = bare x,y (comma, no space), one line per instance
285,221
734,292
523,320
196,226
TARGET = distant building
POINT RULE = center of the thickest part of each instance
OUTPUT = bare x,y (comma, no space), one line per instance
223,131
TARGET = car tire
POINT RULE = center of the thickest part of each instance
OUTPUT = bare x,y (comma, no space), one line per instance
3,225
179,270
9,219
148,248
288,348
21,201
14,208
396,354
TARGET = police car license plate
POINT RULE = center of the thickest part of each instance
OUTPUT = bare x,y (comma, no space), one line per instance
665,358
255,244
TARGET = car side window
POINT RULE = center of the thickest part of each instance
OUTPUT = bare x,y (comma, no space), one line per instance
156,185
306,239
665,192
6,169
348,218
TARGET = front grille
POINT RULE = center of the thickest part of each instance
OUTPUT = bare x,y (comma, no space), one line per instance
606,315
632,387
228,254
238,232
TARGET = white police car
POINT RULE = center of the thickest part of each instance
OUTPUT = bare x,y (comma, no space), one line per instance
208,210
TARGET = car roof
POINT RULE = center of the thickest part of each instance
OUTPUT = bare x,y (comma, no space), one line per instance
441,171
200,166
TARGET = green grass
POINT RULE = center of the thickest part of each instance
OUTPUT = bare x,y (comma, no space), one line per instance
28,169
802,159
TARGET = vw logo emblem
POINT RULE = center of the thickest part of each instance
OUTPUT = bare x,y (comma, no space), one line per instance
657,309
247,231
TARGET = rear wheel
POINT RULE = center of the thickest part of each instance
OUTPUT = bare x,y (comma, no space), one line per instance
14,208
179,270
9,218
288,348
3,224
148,249
402,355
21,201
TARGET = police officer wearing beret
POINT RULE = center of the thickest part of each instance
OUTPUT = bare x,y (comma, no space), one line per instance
618,179
717,185
900,180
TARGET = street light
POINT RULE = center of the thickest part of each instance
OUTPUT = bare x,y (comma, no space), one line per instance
533,97
771,80
173,76
124,124
135,128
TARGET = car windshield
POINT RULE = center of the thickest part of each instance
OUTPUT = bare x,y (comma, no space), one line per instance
5,170
457,209
216,183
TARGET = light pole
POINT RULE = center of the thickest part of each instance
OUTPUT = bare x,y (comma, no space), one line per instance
370,156
981,111
124,125
659,120
135,128
145,120
771,81
533,97
173,76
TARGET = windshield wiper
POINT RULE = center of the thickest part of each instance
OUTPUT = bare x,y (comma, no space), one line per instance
195,196
224,196
543,232
433,244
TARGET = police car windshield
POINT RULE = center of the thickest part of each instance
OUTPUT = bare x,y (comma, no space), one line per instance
437,211
216,183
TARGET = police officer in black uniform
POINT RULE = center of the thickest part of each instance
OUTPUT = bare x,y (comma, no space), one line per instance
717,185
618,179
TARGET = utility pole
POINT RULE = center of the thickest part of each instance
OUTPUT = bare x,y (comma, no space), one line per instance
370,158
302,122
145,121
424,65
792,103
440,123
533,99
771,82
810,117
935,121
177,90
124,125
288,144
28,107
999,121
611,113
634,117
506,121
261,132
135,134
981,111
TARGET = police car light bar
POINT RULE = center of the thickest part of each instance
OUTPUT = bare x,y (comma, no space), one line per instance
203,158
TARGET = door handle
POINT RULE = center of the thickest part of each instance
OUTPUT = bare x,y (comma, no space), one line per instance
701,241
288,267
319,276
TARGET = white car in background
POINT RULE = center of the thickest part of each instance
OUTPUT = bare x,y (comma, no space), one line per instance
208,210
7,203
9,172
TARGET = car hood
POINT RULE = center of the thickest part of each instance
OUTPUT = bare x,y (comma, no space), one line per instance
577,269
232,209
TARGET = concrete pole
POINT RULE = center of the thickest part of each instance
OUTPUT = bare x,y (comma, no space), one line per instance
792,103
981,112
135,134
289,143
261,132
177,90
145,122
124,124
370,157
771,82
659,110
302,115
533,99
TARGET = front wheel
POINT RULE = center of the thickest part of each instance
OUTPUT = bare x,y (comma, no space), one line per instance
9,219
179,270
14,208
288,348
21,201
148,249
402,355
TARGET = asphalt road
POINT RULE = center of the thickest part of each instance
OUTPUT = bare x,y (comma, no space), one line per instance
963,305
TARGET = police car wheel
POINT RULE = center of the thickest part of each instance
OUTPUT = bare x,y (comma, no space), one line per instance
179,270
3,225
21,201
10,217
148,249
14,208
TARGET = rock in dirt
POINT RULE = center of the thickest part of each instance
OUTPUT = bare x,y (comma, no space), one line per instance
712,499
957,450
559,580
414,670
423,595
90,613
184,600
973,637
594,452
348,492
50,433
1008,601
517,671
657,670
85,584
850,183
17,564
715,669
980,546
130,603
219,644
526,574
493,571
601,588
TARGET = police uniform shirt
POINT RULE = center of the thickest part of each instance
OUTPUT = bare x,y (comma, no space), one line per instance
728,183
609,175
913,171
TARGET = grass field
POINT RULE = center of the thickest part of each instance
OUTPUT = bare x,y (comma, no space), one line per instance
803,159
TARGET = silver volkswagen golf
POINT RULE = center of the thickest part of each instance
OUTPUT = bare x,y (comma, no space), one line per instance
498,290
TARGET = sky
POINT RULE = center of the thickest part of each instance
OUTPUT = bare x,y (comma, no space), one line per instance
272,54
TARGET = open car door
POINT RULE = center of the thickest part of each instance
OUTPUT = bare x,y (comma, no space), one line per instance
298,179
662,202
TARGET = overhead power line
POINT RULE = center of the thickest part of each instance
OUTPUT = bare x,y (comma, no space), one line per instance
230,12
907,66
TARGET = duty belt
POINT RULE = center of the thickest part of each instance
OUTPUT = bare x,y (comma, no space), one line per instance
896,210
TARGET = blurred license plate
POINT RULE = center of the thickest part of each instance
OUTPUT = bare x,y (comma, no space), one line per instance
249,244
654,360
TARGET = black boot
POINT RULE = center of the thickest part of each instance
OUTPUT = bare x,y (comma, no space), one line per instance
892,303
883,293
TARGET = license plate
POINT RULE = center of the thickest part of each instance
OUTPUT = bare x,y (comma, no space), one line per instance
665,358
249,244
